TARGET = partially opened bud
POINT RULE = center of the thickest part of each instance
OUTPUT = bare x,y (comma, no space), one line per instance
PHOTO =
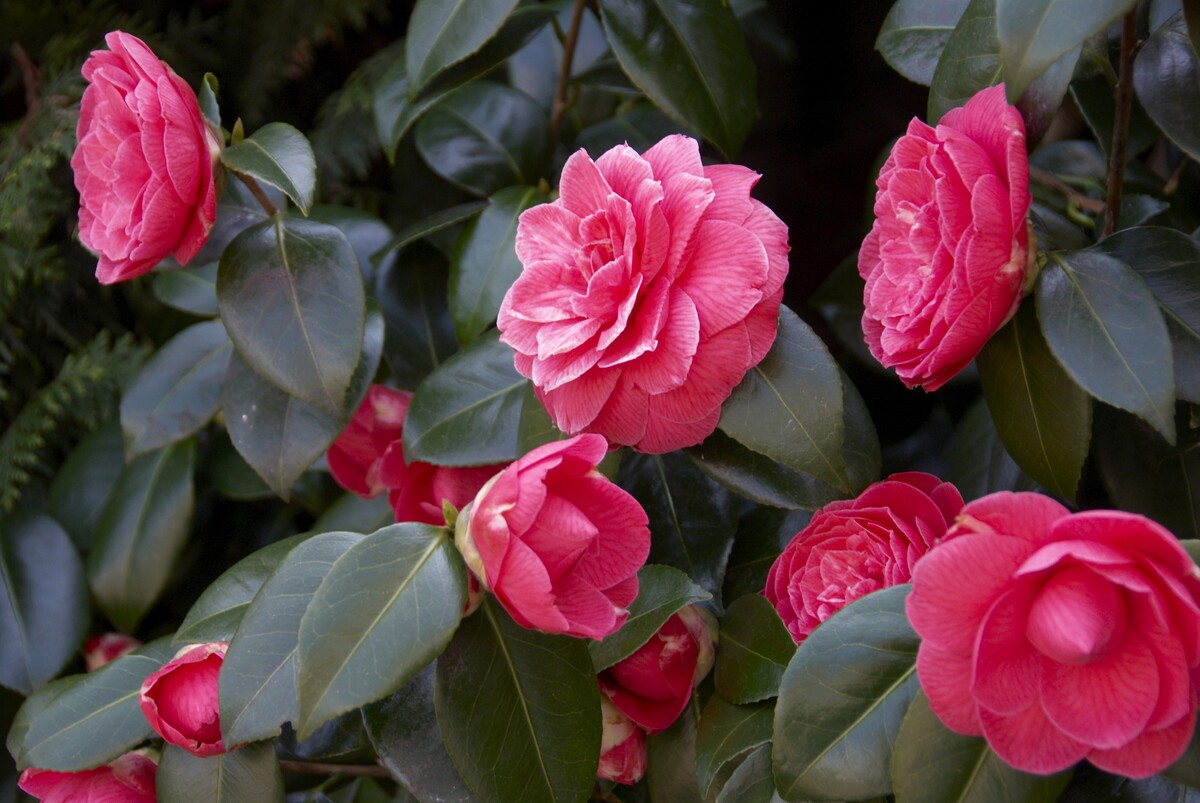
128,779
622,747
180,699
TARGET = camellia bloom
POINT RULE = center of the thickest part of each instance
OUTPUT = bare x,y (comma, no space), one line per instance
1060,636
622,747
653,685
144,162
107,647
649,288
556,542
180,702
368,458
946,260
129,779
855,546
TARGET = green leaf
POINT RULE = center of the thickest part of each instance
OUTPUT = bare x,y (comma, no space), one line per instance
1040,102
1166,78
29,710
387,608
671,760
221,606
467,412
443,32
178,390
1186,769
404,730
1033,34
978,462
484,136
519,710
141,534
762,533
932,764
914,34
83,485
352,513
752,781
432,224
692,519
834,729
366,233
640,127
229,473
711,84
485,262
95,717
754,652
969,62
725,732
279,155
43,601
1105,328
248,773
662,592
535,427
207,96
1094,98
258,677
412,293
291,296
789,406
1043,418
193,290
1169,263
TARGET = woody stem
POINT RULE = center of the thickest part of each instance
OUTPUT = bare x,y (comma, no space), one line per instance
1120,138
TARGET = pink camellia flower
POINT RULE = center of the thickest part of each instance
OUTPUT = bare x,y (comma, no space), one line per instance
649,288
1060,636
622,747
946,259
179,700
368,458
129,779
855,546
556,542
144,162
107,647
653,685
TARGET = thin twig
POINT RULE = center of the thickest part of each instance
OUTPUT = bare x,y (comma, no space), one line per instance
258,193
564,74
1053,182
1120,138
317,768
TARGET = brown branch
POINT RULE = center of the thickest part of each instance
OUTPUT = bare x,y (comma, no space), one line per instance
258,193
564,73
1120,139
317,768
1053,182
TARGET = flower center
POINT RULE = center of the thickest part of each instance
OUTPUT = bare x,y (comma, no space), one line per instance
1077,617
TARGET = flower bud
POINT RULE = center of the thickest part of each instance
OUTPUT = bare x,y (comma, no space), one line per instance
180,702
107,647
622,747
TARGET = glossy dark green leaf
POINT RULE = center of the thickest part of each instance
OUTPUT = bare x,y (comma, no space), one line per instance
221,606
1094,99
141,533
82,486
641,127
534,69
1043,418
248,773
387,608
1105,328
969,62
484,136
237,210
1040,102
280,436
725,732
192,290
1166,77
535,427
752,781
762,533
1033,34
230,474
978,463
43,601
932,764
291,296
662,591
711,85
366,233
671,760
341,740
834,729
258,677
754,651
914,34
412,293
95,717
485,262
404,730
692,519
442,219
1169,263
519,710
468,411
789,407
444,32
352,513
279,155
178,390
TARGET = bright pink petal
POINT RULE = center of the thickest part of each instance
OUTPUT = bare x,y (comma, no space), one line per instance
1007,670
945,678
1030,742
1149,752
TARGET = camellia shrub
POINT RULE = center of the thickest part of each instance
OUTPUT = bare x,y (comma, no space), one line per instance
450,439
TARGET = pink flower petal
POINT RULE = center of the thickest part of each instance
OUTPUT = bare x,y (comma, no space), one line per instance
944,676
1007,670
1149,752
1030,742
